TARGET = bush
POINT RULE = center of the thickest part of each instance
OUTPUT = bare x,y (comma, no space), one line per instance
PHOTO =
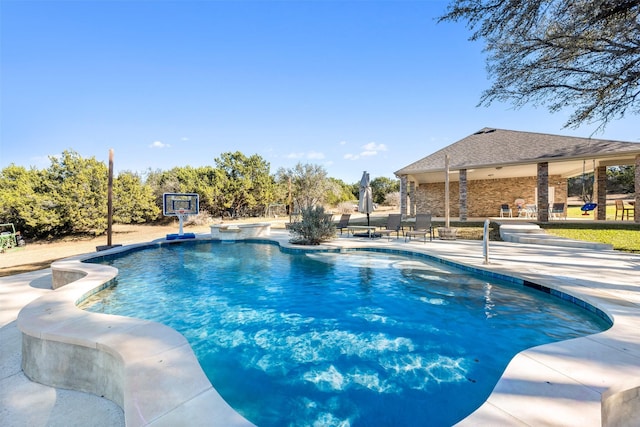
203,218
316,226
346,207
392,199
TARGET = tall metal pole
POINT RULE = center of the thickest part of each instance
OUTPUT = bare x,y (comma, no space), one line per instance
485,241
110,198
446,190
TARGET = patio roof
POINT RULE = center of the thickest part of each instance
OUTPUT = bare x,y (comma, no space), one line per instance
498,153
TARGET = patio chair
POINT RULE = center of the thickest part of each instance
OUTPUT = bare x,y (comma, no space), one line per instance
505,210
343,223
394,224
422,228
520,207
557,211
531,211
620,206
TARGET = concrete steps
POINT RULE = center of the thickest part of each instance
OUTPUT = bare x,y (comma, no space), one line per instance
533,234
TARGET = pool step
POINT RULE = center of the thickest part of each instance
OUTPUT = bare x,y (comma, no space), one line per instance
533,234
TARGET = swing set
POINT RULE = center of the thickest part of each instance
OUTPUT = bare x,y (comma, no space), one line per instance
588,205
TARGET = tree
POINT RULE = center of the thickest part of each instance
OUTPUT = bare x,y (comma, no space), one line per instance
620,179
355,189
26,202
583,54
206,181
78,189
381,186
133,201
338,191
246,185
162,182
309,184
208,186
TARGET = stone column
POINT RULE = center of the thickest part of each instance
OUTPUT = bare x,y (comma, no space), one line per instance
463,194
412,198
403,196
600,190
543,192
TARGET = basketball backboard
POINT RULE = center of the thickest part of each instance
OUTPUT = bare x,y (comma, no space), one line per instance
177,204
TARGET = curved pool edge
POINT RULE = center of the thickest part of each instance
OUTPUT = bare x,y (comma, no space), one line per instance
576,382
146,368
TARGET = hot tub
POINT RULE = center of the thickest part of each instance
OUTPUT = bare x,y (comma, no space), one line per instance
240,231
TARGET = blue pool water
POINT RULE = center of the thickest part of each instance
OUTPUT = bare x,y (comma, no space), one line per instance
352,339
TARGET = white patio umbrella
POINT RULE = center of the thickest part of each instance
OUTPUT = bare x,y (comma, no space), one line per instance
365,203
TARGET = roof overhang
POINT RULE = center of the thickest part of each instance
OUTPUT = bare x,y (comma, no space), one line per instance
566,168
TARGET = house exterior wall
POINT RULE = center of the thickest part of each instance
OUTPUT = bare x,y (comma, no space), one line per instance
484,197
636,211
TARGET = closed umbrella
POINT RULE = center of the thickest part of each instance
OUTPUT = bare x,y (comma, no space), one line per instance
365,203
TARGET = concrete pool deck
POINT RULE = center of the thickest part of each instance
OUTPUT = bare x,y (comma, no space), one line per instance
556,384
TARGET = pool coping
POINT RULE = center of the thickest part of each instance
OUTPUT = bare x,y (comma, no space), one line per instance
109,360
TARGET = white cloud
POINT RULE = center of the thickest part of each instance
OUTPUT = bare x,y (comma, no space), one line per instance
159,144
373,147
343,142
368,150
184,138
315,155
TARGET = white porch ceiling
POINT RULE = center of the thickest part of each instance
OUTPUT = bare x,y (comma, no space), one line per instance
566,169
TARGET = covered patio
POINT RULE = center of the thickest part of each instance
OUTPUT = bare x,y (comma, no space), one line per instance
495,167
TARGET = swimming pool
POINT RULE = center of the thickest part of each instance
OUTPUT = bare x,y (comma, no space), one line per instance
355,338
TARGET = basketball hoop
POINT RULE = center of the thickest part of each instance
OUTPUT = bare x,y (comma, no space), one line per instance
180,205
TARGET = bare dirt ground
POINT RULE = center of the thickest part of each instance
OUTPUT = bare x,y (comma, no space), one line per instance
39,255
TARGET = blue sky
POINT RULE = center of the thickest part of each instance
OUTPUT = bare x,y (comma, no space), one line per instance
349,85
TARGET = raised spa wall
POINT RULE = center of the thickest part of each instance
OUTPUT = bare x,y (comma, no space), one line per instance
240,231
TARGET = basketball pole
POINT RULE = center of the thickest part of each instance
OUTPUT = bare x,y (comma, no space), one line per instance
110,198
181,217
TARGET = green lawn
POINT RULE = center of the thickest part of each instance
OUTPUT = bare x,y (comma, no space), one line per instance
621,239
575,212
623,235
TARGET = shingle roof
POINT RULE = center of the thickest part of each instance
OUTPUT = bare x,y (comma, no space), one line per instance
491,147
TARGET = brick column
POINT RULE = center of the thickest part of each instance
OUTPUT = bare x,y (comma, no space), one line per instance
600,184
543,192
636,209
403,196
463,194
